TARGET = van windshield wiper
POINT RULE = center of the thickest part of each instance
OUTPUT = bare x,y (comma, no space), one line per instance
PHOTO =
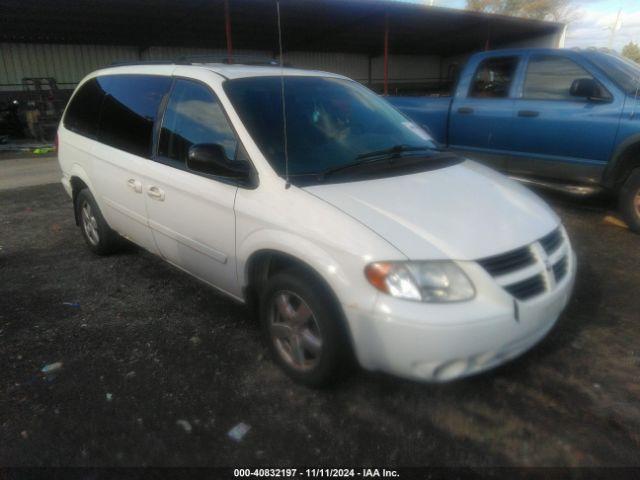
395,150
368,158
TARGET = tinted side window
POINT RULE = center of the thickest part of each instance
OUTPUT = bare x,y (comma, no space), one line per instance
193,115
129,110
84,110
493,77
550,78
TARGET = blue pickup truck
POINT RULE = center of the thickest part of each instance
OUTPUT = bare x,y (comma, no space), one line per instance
567,119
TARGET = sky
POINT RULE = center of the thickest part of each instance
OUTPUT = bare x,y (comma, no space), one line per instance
592,17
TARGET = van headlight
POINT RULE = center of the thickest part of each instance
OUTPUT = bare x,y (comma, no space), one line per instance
429,281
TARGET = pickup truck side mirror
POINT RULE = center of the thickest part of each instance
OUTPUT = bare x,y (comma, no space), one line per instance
210,158
587,88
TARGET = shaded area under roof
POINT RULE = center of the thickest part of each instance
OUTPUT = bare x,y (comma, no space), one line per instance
355,26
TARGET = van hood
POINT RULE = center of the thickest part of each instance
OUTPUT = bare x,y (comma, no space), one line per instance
462,212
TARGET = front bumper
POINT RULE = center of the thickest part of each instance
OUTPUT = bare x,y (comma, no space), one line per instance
438,343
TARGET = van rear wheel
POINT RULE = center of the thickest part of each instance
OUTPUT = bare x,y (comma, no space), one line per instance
303,328
98,235
630,201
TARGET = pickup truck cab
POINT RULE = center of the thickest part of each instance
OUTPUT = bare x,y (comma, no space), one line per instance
351,235
562,118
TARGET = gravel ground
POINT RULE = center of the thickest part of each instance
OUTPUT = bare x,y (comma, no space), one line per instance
157,368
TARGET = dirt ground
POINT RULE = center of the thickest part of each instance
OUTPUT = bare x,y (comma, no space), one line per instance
157,368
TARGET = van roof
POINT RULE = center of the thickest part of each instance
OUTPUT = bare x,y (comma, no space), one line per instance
229,71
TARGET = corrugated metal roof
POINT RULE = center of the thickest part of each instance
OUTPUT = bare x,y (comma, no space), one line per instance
353,26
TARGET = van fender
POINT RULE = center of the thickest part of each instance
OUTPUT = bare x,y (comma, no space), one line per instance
317,258
78,172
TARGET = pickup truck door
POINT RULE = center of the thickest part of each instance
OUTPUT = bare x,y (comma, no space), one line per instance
558,135
190,214
480,122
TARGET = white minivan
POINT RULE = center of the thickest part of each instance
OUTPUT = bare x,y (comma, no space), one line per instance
350,232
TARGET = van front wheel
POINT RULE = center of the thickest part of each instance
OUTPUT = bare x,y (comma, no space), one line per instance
303,328
98,235
630,201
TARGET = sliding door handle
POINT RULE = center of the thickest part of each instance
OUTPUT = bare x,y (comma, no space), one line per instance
528,113
156,193
135,185
465,110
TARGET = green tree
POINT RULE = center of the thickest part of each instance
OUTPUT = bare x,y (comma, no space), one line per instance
556,10
632,50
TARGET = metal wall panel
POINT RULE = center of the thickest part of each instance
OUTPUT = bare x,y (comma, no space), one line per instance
352,65
66,63
172,53
407,68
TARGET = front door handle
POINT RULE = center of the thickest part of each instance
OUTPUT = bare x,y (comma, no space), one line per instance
465,110
156,193
135,185
528,113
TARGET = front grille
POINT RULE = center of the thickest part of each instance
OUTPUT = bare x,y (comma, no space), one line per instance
525,283
551,242
508,262
528,288
560,269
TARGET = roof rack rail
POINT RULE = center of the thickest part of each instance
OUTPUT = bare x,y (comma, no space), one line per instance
196,59
142,62
229,59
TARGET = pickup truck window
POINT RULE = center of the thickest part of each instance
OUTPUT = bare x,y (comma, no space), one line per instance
493,77
551,77
624,72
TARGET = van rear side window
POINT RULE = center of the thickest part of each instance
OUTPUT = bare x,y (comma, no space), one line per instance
84,110
129,110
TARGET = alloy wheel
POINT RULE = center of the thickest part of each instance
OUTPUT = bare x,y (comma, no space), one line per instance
89,224
294,331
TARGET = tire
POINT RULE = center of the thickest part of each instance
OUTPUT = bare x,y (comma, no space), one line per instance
99,237
630,201
315,326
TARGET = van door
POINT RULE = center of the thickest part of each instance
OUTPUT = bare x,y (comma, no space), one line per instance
123,151
191,215
561,136
482,111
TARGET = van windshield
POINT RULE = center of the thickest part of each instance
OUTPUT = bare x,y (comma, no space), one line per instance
331,122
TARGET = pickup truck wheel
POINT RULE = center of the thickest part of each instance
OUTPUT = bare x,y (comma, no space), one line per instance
98,235
303,328
630,201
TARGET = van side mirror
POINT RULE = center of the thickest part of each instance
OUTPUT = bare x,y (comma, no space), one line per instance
210,158
587,88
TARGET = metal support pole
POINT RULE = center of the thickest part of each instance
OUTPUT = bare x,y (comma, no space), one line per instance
227,27
386,54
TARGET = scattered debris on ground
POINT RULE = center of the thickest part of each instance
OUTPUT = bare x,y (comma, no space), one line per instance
52,368
185,425
614,221
238,432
